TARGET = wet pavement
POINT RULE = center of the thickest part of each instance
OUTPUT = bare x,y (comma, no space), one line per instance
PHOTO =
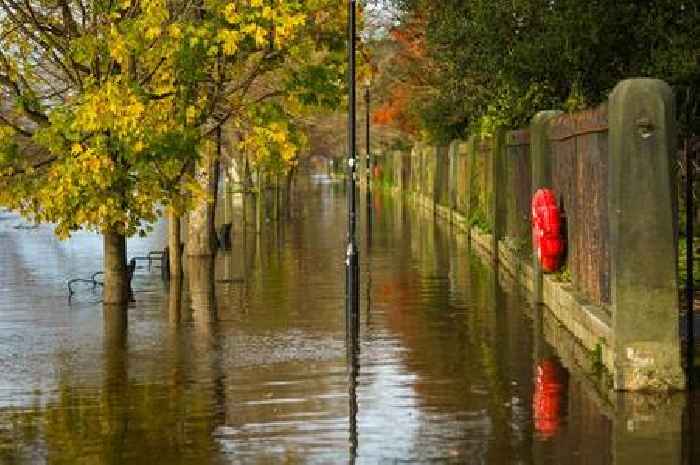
247,359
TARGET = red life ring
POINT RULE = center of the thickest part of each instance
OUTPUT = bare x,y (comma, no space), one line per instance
546,230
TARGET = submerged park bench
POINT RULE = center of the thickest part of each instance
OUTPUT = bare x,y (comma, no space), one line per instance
156,255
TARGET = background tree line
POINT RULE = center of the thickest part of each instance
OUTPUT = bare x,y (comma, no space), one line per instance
453,67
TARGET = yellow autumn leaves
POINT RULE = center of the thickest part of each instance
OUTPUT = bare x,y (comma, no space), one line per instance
110,107
138,93
273,142
260,22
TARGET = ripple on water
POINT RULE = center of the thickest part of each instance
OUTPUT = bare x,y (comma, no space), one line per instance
249,365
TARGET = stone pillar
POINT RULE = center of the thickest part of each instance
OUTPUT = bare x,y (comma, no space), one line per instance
396,170
499,178
452,187
641,200
430,165
416,170
648,428
442,175
471,200
541,166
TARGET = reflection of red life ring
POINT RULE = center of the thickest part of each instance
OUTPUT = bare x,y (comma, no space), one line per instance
377,171
546,229
547,398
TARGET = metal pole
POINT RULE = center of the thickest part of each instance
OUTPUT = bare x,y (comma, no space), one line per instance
689,257
352,272
353,360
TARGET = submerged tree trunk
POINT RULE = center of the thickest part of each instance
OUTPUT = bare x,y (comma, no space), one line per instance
201,232
175,245
214,194
288,193
201,279
175,300
259,203
115,381
116,281
277,198
201,236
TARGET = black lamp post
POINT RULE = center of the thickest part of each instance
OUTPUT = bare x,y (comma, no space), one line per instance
352,265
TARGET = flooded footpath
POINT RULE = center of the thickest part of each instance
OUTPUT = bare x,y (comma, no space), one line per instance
245,360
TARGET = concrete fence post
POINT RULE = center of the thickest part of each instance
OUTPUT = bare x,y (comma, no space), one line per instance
453,185
464,150
472,192
541,166
499,178
641,199
398,168
432,154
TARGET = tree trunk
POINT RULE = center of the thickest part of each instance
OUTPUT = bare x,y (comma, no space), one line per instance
175,300
201,236
201,279
116,281
214,193
277,198
247,175
115,381
288,193
259,203
228,193
175,245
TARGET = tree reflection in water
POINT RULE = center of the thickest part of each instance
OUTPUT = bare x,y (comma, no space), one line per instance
251,367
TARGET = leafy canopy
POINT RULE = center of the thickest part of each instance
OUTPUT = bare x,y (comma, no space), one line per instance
496,62
106,105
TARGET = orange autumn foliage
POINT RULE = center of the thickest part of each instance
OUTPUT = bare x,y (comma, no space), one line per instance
394,111
406,74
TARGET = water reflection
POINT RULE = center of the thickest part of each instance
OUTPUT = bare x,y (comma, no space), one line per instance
115,390
353,361
548,402
201,283
250,359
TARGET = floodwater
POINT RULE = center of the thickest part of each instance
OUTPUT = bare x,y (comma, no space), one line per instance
247,360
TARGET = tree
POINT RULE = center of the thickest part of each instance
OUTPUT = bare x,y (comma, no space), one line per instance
269,81
108,106
498,62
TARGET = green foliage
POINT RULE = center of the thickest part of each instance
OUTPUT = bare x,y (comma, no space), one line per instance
683,263
519,246
596,356
499,62
112,104
564,274
479,219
